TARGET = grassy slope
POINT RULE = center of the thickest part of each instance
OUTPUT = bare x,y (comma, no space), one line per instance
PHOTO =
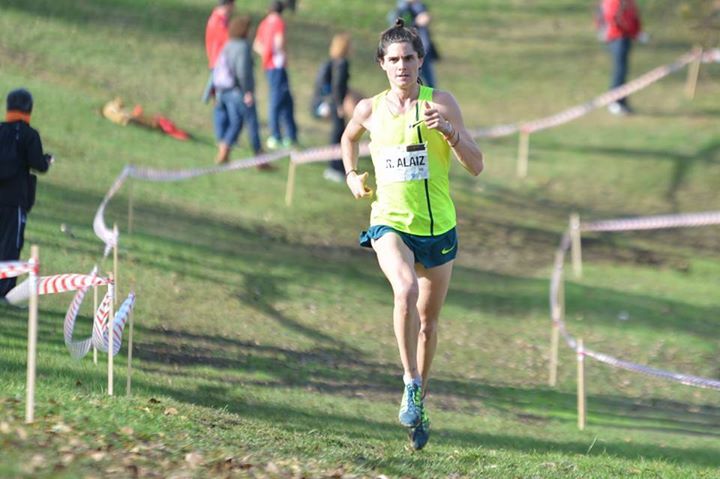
263,332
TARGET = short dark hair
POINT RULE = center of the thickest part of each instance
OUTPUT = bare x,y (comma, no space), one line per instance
277,6
399,33
20,100
226,2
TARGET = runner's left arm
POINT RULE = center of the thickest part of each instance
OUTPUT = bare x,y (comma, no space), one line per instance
445,116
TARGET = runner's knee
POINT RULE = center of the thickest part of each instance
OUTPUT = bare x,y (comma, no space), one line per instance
406,293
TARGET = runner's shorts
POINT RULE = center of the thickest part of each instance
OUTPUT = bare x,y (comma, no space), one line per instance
430,251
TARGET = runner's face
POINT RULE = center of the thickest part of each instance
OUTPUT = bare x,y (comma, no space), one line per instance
401,64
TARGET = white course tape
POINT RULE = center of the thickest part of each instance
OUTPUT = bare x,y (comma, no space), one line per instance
655,222
101,230
325,153
711,56
643,223
150,174
611,96
600,101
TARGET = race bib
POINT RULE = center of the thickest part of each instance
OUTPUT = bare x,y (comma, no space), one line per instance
402,163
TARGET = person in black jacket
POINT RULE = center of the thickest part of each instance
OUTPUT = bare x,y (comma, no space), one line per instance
331,88
20,151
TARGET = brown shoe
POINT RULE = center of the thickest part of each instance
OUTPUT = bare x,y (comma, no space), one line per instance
223,154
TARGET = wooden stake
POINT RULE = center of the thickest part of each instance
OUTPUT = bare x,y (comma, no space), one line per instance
290,188
128,387
558,315
581,384
693,74
95,307
130,208
523,153
32,337
115,263
576,245
111,335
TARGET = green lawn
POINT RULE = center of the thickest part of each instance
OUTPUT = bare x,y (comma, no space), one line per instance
263,334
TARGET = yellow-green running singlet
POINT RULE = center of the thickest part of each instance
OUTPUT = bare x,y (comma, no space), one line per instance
411,170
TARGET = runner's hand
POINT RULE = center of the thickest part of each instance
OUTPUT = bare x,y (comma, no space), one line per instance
435,121
356,183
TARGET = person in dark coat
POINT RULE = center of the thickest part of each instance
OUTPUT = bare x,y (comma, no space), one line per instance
20,151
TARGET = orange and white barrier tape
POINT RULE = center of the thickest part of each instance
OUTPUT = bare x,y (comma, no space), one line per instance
78,349
101,323
12,269
58,283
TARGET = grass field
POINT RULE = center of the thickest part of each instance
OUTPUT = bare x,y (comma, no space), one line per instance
263,335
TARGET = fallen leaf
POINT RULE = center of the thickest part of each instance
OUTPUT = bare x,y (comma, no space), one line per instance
171,411
98,456
61,428
193,459
38,460
128,431
4,428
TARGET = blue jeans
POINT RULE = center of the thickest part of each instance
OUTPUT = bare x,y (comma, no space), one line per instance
230,114
281,108
620,51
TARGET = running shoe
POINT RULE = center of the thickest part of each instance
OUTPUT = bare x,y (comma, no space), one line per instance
420,434
273,143
411,405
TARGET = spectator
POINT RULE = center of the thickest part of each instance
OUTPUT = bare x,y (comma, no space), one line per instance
20,150
620,26
234,84
331,88
291,5
270,44
216,34
415,13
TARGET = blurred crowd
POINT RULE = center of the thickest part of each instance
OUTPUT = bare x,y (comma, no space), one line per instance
231,85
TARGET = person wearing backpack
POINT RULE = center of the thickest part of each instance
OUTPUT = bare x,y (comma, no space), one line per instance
331,88
619,24
234,84
20,151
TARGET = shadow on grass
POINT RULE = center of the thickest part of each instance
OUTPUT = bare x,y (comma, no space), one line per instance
683,163
346,430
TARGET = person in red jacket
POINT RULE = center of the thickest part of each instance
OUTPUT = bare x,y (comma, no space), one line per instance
216,35
621,20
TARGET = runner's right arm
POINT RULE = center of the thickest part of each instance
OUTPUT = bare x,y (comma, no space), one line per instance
357,125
